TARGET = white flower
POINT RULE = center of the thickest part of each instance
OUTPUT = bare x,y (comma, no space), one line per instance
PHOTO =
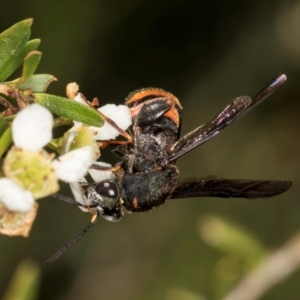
73,165
78,137
29,169
119,114
97,176
14,197
81,134
32,128
78,194
80,98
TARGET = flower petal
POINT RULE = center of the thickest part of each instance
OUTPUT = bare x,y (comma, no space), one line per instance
98,175
119,114
17,223
77,137
14,197
32,128
78,194
73,165
32,170
80,99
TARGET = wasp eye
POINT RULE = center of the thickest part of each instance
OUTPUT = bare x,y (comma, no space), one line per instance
107,189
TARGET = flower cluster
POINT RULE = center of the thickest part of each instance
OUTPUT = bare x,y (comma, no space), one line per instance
81,134
31,173
28,172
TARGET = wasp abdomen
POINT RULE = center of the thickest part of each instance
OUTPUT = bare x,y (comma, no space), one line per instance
144,190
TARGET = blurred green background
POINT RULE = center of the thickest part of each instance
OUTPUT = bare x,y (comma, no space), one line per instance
206,53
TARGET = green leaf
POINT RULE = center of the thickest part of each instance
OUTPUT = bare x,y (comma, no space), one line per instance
231,238
32,45
61,121
69,109
5,135
31,61
25,282
13,47
37,83
3,125
5,140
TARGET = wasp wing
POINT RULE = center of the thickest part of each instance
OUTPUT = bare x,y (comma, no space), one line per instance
238,107
231,188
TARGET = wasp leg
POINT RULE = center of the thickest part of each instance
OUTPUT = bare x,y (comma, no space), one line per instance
109,121
104,168
107,143
115,126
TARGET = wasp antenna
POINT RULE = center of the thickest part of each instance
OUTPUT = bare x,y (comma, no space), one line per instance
72,201
66,199
64,248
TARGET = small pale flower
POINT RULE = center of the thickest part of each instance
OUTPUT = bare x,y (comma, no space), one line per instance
73,165
79,98
14,197
32,128
80,136
98,175
119,114
88,135
16,223
77,193
31,168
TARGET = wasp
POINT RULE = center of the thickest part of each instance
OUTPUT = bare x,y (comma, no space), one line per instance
148,176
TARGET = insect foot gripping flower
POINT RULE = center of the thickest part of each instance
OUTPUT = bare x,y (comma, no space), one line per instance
30,171
119,114
97,175
80,134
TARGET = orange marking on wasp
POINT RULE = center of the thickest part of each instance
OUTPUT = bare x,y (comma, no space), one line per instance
135,203
136,96
104,144
94,218
172,114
